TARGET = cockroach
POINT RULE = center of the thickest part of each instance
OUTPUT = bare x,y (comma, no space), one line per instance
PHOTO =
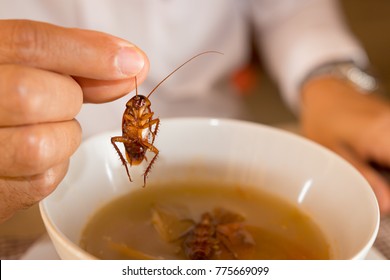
139,128
201,242
218,234
212,236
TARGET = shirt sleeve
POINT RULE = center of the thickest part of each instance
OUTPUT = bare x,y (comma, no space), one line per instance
296,36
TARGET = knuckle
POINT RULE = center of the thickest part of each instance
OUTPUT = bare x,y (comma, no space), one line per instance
22,194
39,147
18,98
34,151
27,40
43,184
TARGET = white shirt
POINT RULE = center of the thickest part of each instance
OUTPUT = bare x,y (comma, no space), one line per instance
293,37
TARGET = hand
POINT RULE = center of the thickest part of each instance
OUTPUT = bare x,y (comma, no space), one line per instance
46,73
352,124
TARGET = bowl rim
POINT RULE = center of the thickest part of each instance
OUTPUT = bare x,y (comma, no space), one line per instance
56,233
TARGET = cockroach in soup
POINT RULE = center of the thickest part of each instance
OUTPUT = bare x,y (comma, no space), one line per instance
215,233
139,128
218,234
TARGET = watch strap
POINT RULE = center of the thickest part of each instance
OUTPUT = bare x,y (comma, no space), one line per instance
360,78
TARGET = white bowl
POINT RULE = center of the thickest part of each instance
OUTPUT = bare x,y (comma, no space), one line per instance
318,181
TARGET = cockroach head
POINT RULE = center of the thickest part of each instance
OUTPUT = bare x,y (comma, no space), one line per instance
138,102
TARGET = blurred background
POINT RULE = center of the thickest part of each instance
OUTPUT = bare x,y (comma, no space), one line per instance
370,22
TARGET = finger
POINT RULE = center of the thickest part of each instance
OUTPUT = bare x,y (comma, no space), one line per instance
23,192
373,141
29,95
70,51
380,187
378,183
98,91
32,149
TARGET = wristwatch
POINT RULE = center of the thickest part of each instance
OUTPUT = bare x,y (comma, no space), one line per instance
360,78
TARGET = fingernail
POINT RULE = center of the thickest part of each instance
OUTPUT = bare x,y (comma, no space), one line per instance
129,61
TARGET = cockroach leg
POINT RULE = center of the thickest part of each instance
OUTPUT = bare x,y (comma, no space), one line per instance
121,139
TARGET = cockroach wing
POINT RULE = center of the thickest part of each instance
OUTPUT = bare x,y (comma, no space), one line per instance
223,216
237,241
171,223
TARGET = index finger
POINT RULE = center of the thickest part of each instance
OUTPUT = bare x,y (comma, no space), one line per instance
71,51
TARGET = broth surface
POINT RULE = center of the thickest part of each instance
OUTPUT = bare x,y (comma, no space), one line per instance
125,228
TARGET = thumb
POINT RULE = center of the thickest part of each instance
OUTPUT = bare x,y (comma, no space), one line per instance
71,51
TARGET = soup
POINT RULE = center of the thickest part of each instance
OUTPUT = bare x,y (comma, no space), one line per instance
202,220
